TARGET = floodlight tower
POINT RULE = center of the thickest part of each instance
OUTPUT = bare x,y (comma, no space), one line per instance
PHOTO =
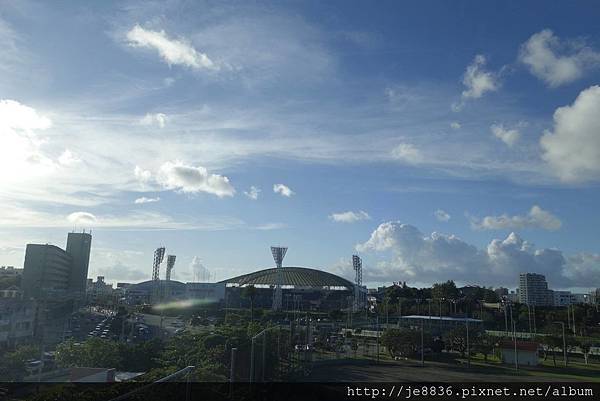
278,255
170,265
357,265
159,255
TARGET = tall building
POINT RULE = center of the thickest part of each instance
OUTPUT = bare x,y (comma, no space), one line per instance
46,271
533,290
78,246
49,270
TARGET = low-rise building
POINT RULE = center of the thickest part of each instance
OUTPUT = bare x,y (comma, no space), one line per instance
99,290
10,271
526,352
17,318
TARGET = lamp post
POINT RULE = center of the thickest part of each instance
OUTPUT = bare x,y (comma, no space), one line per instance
422,346
515,343
429,308
468,349
564,341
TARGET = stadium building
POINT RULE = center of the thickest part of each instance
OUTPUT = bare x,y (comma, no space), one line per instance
302,289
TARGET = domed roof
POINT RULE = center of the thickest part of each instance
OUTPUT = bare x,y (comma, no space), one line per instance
149,285
292,277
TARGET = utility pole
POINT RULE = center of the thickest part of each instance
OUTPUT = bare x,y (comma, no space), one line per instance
232,371
377,334
573,317
252,360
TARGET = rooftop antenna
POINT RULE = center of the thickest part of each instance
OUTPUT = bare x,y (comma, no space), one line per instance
278,253
357,266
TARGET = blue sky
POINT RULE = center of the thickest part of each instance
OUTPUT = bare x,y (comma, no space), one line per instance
441,140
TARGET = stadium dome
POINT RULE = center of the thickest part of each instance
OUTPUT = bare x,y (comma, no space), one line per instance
292,278
149,285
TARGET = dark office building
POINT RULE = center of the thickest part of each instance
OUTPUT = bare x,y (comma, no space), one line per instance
46,271
78,246
50,271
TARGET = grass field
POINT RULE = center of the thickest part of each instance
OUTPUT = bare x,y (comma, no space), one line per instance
449,370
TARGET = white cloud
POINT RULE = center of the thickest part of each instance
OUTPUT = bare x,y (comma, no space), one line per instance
283,190
14,216
67,158
439,257
20,117
191,179
173,51
455,125
252,193
270,226
556,61
535,218
143,200
21,143
478,81
349,216
142,175
159,119
572,149
82,218
508,136
407,153
441,215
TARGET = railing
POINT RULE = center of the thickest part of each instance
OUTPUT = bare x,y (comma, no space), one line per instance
180,373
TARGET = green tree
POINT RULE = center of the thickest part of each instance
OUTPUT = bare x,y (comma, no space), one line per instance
93,353
586,346
446,290
12,364
553,342
401,342
484,344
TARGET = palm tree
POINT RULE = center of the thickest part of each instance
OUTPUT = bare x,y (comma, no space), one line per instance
249,292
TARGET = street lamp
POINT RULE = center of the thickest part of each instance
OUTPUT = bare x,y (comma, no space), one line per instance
564,341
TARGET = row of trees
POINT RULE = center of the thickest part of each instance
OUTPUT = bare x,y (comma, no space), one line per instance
407,342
